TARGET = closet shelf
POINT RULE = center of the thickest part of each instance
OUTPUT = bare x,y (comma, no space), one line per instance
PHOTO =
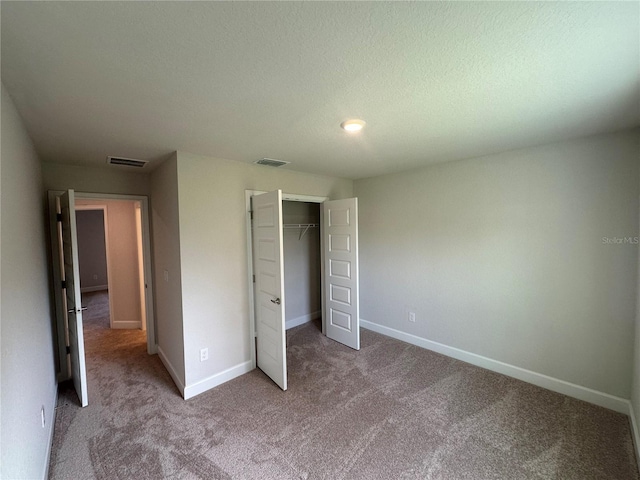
306,227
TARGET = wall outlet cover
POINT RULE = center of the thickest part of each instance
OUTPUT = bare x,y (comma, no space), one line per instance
204,354
409,313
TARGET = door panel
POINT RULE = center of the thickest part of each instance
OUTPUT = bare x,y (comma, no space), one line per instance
73,297
269,278
341,309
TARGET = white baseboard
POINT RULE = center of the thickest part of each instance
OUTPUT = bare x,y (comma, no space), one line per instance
602,399
217,379
172,371
634,431
295,322
130,324
97,288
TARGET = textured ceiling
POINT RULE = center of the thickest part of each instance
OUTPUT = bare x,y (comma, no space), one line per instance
435,81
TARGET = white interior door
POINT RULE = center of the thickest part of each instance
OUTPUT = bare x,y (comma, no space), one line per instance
341,309
269,279
73,296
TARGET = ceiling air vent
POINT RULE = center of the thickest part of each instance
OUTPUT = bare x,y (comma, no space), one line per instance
127,162
271,162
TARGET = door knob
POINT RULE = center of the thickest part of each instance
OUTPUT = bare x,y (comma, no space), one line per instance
276,301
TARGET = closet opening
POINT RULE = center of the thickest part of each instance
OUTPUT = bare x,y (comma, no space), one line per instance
302,254
302,262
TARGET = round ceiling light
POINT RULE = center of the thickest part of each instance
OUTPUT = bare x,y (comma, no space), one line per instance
354,125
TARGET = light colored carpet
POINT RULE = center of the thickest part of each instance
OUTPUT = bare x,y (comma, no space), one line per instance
389,411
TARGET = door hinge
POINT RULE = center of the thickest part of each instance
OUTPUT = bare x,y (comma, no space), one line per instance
59,217
68,350
254,279
64,283
251,213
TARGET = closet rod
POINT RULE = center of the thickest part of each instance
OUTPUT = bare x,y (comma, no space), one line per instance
306,227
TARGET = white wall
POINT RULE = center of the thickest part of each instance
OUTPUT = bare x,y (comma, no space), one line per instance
301,263
92,254
214,256
166,254
28,380
124,273
503,256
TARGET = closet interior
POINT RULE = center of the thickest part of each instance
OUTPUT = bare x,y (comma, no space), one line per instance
301,245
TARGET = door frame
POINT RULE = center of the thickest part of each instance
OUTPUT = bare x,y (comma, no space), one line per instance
152,347
103,208
289,197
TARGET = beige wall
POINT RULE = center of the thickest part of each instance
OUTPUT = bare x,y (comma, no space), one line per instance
95,180
27,381
124,286
503,256
166,257
213,246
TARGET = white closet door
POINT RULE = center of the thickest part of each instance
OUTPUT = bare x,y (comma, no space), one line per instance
73,296
269,273
341,309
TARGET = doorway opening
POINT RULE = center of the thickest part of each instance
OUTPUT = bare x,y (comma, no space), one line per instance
92,231
116,273
111,259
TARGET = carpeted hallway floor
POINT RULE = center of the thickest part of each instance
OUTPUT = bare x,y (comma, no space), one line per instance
389,411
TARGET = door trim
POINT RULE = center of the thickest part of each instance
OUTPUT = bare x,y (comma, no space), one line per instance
291,197
152,347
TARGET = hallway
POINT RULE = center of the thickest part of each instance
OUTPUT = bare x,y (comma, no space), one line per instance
105,347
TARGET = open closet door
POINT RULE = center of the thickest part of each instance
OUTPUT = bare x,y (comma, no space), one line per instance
269,278
341,309
73,296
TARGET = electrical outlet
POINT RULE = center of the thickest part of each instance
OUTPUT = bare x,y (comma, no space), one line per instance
166,275
204,354
409,313
42,416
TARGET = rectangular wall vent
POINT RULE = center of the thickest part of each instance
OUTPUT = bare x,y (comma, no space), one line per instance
127,162
271,162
